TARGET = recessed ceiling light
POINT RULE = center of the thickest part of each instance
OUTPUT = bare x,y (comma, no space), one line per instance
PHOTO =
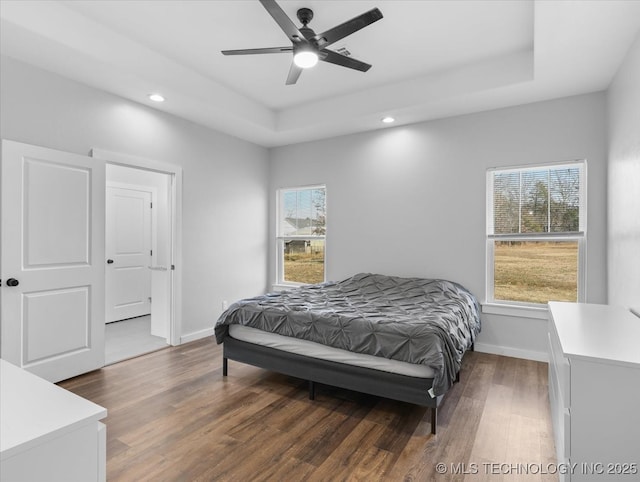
388,120
156,97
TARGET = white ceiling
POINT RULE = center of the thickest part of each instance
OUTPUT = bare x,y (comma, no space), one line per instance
430,59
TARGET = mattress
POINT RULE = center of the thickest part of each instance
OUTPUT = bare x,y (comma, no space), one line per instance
323,352
430,322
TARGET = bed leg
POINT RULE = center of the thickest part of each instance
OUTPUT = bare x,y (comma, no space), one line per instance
473,347
434,419
225,367
312,390
457,377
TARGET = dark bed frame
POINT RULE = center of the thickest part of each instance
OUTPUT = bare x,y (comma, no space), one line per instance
314,370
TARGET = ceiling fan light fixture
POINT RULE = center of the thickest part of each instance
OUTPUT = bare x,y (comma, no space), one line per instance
305,59
307,47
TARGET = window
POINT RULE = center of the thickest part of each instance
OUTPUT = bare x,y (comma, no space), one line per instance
536,224
301,235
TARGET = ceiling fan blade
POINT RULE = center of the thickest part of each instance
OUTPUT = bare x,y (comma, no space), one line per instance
283,20
269,50
347,28
294,74
339,59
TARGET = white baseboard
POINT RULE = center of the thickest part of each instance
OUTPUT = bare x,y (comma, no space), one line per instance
540,356
196,335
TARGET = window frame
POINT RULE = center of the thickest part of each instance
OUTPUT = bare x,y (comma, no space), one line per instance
280,239
530,309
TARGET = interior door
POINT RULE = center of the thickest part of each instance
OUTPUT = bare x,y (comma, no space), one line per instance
52,261
128,249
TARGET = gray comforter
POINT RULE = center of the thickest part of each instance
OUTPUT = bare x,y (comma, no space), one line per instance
420,321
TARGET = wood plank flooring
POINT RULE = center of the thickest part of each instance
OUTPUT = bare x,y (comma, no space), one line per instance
173,417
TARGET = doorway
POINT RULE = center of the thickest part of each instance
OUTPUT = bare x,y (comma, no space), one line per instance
141,248
53,258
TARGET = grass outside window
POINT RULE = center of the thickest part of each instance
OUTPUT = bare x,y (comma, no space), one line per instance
535,272
304,267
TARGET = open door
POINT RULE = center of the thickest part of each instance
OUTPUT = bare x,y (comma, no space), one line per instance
52,261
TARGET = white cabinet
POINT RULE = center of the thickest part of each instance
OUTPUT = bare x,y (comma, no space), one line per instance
594,391
48,433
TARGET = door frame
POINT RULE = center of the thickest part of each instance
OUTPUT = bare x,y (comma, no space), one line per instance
175,192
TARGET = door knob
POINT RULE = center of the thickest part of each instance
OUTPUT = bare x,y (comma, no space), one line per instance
109,261
12,282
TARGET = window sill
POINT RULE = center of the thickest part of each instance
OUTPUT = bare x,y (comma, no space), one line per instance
535,312
287,286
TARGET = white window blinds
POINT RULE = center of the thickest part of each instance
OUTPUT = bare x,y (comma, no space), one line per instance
536,201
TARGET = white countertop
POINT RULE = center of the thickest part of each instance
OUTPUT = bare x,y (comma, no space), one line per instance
598,332
33,410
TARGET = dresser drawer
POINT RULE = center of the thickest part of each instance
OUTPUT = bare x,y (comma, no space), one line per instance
561,368
565,476
567,431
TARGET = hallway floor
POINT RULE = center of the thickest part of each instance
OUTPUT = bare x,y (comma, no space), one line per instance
129,338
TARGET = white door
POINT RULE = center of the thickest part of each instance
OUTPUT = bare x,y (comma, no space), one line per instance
52,261
128,251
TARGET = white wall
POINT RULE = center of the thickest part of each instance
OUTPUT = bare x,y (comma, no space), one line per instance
410,200
624,183
224,186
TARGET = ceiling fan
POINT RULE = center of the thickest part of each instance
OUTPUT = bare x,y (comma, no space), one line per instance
306,46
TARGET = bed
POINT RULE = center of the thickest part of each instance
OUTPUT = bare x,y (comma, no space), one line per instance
399,338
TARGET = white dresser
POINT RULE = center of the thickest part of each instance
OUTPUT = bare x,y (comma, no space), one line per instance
48,433
594,391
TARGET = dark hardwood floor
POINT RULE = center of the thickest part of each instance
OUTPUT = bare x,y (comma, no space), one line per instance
173,417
